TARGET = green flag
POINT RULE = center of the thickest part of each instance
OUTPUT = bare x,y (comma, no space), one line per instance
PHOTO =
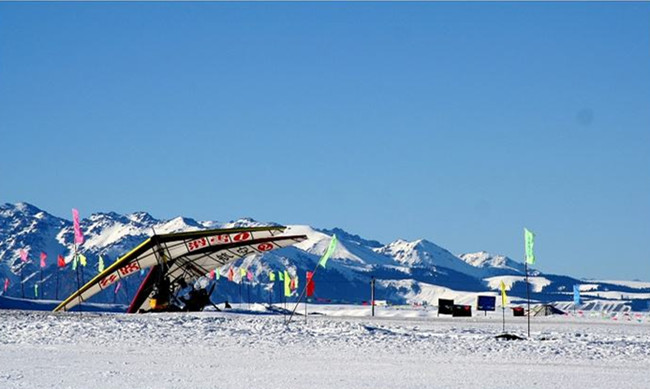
74,263
328,253
529,238
287,284
217,273
100,265
280,276
271,276
35,290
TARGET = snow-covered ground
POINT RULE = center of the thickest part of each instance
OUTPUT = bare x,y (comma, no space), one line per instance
402,348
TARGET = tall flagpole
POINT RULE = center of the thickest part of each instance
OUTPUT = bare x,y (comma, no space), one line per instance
57,282
328,252
528,297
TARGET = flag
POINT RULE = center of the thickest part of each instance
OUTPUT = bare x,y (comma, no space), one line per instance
280,276
35,290
217,273
6,284
504,298
74,263
242,272
82,260
328,252
576,294
271,276
43,258
529,238
212,276
249,275
118,286
78,236
310,284
231,274
295,283
287,284
60,261
100,264
23,255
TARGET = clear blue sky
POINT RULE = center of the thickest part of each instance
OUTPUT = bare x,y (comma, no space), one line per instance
460,123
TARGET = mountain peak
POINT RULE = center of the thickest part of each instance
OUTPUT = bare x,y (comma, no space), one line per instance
141,217
494,264
342,234
21,207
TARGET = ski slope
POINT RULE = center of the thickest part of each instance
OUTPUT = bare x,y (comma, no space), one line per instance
338,348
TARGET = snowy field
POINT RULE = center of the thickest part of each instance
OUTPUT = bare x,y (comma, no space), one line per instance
399,349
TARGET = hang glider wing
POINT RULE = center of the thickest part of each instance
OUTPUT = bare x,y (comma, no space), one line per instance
186,254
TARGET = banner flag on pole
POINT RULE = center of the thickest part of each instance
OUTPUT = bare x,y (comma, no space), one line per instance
43,258
23,255
310,284
576,294
82,260
295,283
529,238
280,276
6,284
217,274
249,275
35,290
100,264
212,274
242,272
271,276
74,263
231,274
118,286
78,236
328,253
60,261
504,298
287,284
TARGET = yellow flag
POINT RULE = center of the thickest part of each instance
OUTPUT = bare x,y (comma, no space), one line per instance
242,271
504,298
82,260
287,284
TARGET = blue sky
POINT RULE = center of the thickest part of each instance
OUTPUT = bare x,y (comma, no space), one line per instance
460,123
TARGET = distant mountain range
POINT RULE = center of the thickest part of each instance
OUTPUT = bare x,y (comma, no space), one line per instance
405,272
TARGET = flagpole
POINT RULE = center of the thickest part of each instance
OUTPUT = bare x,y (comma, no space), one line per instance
328,252
528,296
57,282
22,280
304,291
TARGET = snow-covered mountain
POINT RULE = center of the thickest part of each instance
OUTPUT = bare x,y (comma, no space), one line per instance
405,271
494,265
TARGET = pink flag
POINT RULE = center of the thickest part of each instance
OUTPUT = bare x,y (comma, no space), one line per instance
78,236
118,286
212,276
43,258
23,255
249,275
6,284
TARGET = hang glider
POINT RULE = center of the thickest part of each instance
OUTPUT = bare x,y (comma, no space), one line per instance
186,255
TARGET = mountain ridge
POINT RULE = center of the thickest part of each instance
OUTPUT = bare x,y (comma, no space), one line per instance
408,270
